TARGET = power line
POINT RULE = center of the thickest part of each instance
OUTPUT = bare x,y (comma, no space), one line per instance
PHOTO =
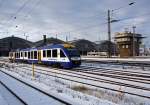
124,6
14,15
29,12
83,28
134,17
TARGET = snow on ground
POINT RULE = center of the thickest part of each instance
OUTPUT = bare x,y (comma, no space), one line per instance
63,88
56,89
2,100
29,95
117,59
118,67
102,83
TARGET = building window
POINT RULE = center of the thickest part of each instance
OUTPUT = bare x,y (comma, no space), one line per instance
62,54
127,46
54,53
123,46
48,53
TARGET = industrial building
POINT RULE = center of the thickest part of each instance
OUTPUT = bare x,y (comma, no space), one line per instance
128,43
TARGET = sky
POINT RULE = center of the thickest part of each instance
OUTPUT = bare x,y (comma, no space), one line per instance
76,19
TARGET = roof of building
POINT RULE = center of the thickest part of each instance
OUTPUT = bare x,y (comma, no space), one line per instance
48,41
84,45
9,43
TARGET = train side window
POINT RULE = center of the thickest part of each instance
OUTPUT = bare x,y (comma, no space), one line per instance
25,54
18,54
21,54
35,54
29,54
15,55
62,54
54,53
48,53
44,53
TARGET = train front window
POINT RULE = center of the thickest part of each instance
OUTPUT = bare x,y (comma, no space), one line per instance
73,53
62,54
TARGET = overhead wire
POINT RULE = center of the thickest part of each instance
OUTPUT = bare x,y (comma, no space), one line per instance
33,7
14,15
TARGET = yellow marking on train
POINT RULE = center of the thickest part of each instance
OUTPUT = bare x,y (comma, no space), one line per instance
68,46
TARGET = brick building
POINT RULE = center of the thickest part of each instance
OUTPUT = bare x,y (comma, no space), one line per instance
127,47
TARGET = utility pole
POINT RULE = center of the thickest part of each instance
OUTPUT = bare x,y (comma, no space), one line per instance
134,48
109,35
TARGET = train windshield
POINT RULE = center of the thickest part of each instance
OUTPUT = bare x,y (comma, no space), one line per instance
73,53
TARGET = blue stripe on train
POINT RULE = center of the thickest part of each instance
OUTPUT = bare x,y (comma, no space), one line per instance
62,64
32,61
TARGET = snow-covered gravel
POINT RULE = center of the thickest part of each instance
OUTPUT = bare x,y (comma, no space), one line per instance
64,88
61,91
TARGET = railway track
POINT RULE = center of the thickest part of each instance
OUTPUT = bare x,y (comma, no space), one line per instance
119,74
52,99
97,72
78,75
119,62
113,71
16,98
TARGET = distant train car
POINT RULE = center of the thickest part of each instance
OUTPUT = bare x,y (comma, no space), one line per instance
58,55
12,56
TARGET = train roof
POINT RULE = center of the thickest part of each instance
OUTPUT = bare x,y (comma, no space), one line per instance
48,46
57,46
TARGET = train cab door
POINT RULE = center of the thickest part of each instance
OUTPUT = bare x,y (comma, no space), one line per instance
39,56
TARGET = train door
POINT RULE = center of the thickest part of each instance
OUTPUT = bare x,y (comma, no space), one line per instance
39,56
14,56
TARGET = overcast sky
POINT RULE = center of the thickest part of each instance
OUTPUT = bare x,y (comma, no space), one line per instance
76,19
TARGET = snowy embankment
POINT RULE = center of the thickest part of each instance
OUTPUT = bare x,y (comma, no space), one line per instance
29,95
62,87
55,88
116,59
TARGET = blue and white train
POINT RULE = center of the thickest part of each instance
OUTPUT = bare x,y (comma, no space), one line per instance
58,55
